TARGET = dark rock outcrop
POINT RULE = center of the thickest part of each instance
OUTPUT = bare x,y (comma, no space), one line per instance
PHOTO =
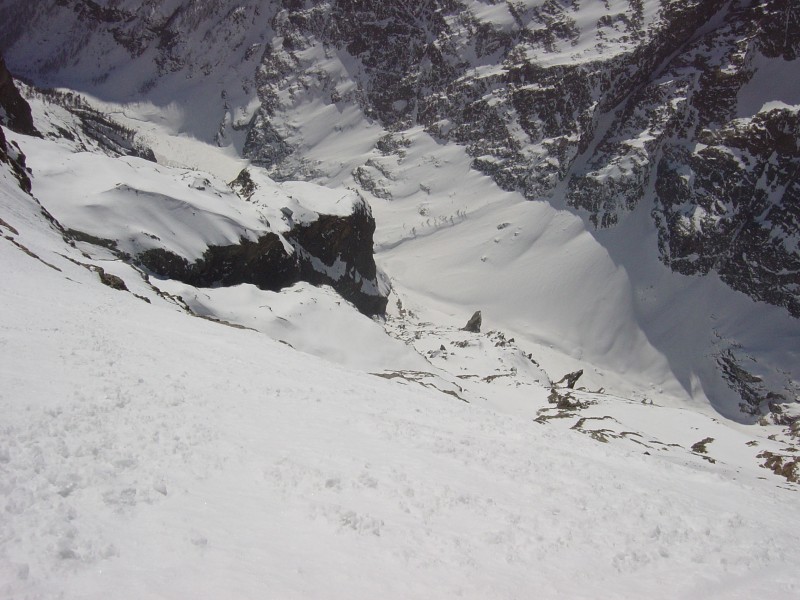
333,250
112,281
3,147
474,323
570,379
15,113
263,263
337,251
756,397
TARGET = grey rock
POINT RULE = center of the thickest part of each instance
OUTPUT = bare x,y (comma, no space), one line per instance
570,379
265,263
474,323
15,113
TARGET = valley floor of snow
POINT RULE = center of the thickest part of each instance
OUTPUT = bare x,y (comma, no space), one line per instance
146,452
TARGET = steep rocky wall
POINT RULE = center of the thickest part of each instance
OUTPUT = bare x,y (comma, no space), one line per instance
518,97
725,182
337,251
332,250
15,113
738,213
3,147
14,110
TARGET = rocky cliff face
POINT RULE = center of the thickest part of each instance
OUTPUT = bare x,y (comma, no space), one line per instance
14,110
337,251
15,113
333,250
712,133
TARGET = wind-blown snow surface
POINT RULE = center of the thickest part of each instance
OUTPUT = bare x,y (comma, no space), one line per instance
147,453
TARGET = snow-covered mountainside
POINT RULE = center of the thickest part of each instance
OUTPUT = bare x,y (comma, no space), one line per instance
240,242
148,452
650,135
618,99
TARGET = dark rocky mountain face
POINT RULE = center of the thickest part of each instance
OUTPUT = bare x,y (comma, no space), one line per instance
332,250
725,181
652,108
15,113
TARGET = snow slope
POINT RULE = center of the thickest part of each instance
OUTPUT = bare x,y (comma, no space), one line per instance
450,239
172,441
146,452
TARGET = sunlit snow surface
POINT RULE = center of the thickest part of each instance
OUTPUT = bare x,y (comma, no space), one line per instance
297,449
146,452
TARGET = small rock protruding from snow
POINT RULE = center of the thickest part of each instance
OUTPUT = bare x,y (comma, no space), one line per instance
570,379
474,323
